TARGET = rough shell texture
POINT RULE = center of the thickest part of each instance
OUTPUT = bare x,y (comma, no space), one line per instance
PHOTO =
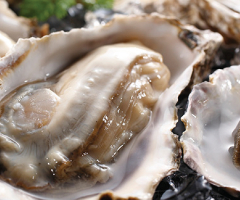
219,15
211,119
187,53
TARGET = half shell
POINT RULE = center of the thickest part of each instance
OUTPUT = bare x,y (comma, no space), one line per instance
186,51
211,124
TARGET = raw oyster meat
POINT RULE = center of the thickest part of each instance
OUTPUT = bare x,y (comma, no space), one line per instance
210,142
75,125
186,51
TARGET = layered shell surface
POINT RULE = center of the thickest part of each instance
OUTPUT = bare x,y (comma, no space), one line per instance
210,142
118,84
218,15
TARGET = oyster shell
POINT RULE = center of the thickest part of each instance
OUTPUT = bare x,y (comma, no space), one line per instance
14,26
211,123
5,44
218,15
131,175
18,27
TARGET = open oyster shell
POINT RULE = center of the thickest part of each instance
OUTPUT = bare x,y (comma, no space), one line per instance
155,152
218,15
212,123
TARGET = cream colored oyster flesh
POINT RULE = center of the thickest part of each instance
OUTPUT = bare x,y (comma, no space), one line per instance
76,125
112,72
211,123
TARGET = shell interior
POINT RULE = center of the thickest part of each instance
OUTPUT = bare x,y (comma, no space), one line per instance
211,123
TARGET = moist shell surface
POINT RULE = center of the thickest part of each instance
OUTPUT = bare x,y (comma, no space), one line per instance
211,123
187,63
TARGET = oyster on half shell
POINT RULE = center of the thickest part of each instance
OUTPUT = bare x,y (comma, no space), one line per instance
113,72
74,125
210,142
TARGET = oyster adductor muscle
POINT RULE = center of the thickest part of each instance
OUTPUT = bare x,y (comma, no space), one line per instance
115,104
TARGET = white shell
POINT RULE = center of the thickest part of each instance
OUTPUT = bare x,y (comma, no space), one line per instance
14,26
187,53
5,44
212,116
219,15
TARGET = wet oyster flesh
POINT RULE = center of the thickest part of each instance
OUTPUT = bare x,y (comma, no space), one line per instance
75,125
5,44
188,61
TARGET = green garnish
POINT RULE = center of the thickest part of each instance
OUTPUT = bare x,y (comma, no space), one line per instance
43,9
96,4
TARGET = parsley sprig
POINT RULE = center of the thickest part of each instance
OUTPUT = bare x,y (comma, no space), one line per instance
43,9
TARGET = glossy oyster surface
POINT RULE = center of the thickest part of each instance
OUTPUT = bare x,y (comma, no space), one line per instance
77,160
210,142
76,125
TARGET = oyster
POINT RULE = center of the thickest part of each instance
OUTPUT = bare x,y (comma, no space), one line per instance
210,142
5,44
18,27
218,15
79,122
126,171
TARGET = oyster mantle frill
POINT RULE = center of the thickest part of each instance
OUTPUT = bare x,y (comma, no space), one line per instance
187,59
